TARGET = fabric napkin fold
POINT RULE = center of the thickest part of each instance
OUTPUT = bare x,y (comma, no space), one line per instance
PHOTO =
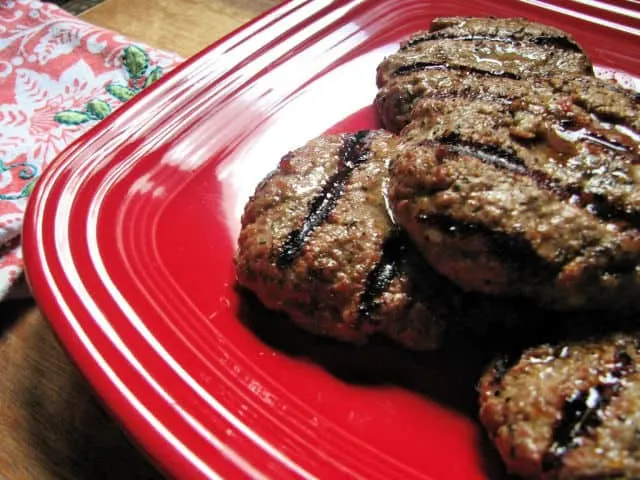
59,76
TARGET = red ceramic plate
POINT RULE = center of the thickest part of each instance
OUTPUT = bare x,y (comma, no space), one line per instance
129,240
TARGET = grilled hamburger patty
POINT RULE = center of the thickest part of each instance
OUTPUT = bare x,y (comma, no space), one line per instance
601,97
567,410
317,242
458,53
536,197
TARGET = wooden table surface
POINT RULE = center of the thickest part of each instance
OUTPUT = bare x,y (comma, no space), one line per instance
51,425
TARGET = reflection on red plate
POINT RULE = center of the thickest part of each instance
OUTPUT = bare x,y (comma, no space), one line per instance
129,242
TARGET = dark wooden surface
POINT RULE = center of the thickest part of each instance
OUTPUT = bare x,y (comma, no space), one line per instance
51,424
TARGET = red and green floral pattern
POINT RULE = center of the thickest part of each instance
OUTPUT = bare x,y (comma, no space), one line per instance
58,76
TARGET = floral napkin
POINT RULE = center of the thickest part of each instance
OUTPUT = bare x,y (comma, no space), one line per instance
59,76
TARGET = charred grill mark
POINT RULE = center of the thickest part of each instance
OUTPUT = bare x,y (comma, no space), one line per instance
561,351
354,152
621,123
419,66
404,102
382,274
574,133
502,365
582,412
596,205
602,208
559,42
624,362
562,43
600,140
490,154
466,93
443,35
513,247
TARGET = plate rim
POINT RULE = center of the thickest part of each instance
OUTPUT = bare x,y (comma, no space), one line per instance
148,441
52,307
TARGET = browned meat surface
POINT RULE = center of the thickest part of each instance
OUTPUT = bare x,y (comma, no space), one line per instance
395,101
318,244
568,410
512,47
536,197
460,55
602,98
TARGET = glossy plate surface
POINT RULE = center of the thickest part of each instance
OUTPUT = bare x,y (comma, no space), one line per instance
129,241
